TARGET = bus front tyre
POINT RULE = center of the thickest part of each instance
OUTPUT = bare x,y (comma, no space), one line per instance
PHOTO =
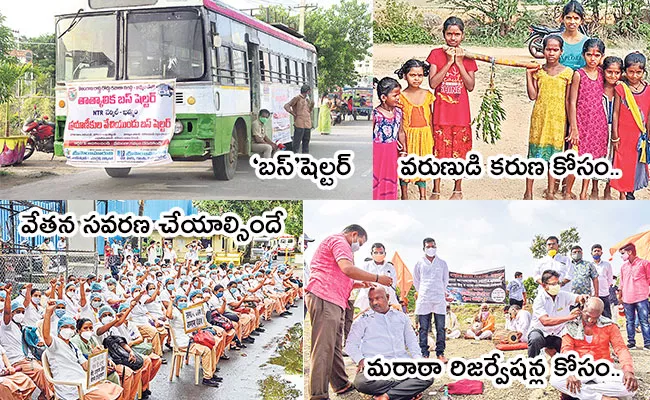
117,172
225,165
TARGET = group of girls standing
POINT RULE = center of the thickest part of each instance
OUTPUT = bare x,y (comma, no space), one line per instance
583,101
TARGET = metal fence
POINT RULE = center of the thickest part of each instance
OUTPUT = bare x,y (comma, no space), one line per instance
39,267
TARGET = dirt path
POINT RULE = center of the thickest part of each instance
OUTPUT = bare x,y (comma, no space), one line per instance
514,140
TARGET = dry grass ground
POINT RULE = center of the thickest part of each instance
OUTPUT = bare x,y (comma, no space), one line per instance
473,349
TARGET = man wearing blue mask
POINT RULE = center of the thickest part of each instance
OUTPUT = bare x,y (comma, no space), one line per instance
605,278
262,145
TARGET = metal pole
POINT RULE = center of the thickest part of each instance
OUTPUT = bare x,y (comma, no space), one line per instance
301,27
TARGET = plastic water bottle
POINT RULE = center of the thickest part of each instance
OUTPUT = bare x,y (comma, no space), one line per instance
445,395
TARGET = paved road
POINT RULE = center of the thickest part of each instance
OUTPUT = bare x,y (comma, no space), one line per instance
182,180
240,374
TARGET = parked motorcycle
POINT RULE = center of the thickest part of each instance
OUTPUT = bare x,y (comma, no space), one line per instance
41,135
337,117
538,33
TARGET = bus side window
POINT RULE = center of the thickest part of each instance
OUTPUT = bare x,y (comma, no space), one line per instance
239,67
295,72
272,67
225,66
287,70
303,77
262,66
280,68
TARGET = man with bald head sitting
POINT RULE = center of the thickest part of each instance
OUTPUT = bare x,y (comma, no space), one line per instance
593,334
382,330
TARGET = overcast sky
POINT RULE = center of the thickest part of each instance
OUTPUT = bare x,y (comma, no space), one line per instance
39,18
476,235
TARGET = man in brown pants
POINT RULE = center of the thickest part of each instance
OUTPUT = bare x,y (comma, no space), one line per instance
331,280
300,107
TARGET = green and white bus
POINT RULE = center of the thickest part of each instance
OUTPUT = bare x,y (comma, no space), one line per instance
227,67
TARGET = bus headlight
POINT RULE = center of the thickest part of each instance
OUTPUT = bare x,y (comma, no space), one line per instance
178,127
191,100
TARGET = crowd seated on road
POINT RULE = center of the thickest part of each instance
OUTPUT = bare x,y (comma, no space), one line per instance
136,314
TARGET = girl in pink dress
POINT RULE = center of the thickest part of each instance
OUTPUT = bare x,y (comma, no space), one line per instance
388,140
589,131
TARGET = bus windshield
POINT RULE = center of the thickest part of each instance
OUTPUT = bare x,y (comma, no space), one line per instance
88,51
165,44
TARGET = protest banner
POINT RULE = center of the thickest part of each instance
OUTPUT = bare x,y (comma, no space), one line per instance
483,287
119,124
97,368
193,318
274,97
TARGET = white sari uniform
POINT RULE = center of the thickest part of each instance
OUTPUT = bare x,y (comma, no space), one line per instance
65,364
387,269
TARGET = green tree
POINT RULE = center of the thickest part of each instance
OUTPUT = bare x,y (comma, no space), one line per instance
501,14
277,14
531,289
247,209
6,39
568,238
342,35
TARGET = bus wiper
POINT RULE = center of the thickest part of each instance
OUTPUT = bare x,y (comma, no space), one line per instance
74,23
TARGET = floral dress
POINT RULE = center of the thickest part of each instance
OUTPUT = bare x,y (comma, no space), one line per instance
385,153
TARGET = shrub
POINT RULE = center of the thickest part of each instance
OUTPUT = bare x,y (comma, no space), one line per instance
400,22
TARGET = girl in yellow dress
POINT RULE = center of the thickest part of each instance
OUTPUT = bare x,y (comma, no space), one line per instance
417,106
549,86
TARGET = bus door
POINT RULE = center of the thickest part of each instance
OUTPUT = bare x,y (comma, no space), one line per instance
255,77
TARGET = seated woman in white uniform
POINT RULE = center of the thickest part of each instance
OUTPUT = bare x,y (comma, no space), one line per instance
68,363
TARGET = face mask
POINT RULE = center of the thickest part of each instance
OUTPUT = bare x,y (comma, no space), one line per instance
576,257
18,318
59,313
355,246
553,290
220,294
151,292
36,300
136,293
111,288
430,251
552,253
160,279
185,286
263,120
170,287
23,292
71,295
379,257
107,319
182,305
230,276
484,314
596,257
196,283
86,335
66,333
625,256
233,290
96,304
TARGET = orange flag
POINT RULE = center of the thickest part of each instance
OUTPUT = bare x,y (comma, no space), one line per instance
404,277
640,240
